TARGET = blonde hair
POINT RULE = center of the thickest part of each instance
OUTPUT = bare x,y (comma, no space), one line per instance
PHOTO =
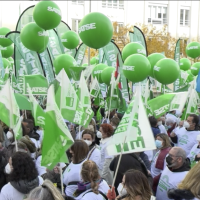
90,174
191,181
47,191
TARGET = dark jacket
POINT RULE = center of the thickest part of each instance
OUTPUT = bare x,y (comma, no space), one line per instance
155,131
178,194
2,167
145,159
128,161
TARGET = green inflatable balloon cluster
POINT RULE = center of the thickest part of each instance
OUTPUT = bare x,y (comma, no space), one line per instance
7,51
185,64
190,76
34,38
133,48
94,60
136,68
95,30
153,59
195,68
97,71
106,75
166,71
64,61
193,49
4,42
47,15
70,40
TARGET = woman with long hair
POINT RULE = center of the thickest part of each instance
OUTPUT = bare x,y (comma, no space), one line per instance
189,188
22,176
92,186
71,176
134,186
47,191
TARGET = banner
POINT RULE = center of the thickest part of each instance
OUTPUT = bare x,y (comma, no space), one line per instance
95,88
134,129
57,138
111,52
2,71
80,54
61,29
37,83
177,59
138,37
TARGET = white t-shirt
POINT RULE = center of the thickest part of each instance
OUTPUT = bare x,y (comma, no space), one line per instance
103,187
104,154
162,129
8,192
194,151
95,156
186,139
41,133
33,155
71,174
155,171
168,180
41,169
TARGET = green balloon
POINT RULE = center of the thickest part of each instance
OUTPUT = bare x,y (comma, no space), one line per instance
94,61
106,75
96,72
133,48
185,64
136,68
95,30
195,68
4,42
84,65
7,51
153,59
64,61
191,76
193,49
11,60
34,38
70,40
47,15
166,71
6,63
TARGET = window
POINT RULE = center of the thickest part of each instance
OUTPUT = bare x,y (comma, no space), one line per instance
184,17
77,2
157,14
75,23
113,4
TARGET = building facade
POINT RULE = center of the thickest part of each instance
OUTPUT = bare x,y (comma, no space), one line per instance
181,17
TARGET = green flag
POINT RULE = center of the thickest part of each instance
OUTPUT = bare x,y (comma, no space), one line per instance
95,88
37,112
134,129
57,138
84,97
68,101
1,66
80,54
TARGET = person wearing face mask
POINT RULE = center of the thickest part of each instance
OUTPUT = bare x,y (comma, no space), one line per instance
71,176
170,125
186,137
94,152
134,186
106,131
175,171
159,163
92,186
160,126
194,154
22,176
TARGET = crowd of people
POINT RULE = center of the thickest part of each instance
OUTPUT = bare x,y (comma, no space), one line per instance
171,171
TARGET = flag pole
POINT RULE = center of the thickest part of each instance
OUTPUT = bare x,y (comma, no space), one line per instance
122,148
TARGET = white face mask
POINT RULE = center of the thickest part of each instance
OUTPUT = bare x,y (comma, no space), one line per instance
88,142
99,134
186,124
8,169
159,123
121,190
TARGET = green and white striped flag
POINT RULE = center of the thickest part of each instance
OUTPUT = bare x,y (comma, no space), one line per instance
95,88
37,112
68,101
84,96
135,127
57,138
